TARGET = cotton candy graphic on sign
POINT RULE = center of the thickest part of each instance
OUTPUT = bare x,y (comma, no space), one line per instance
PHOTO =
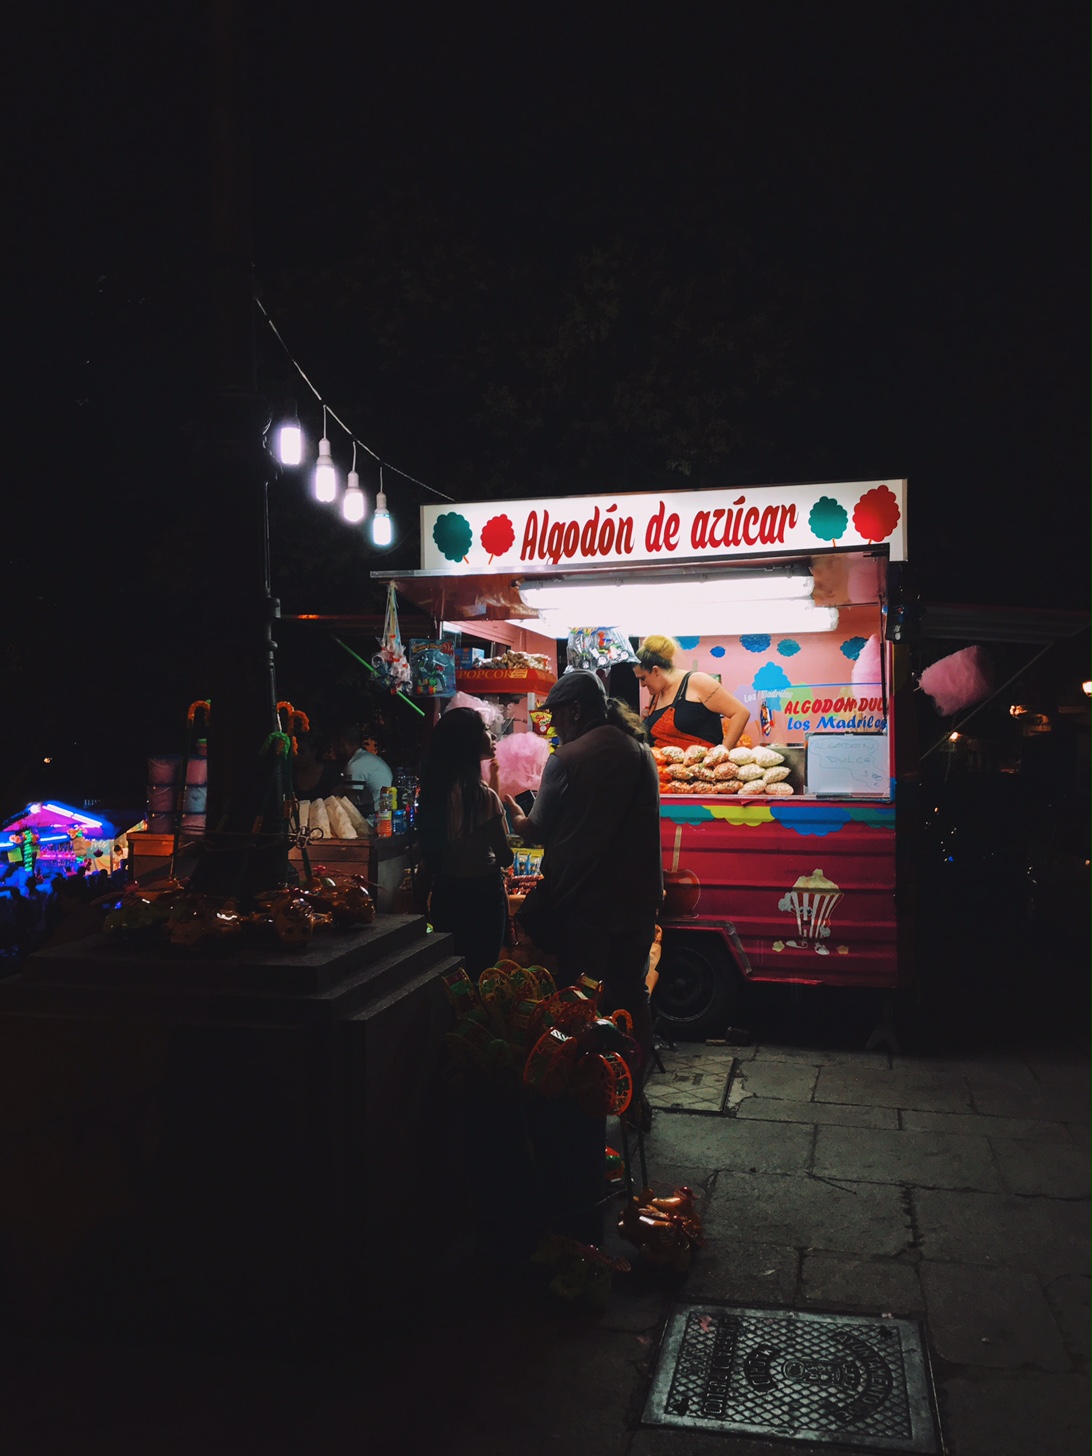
876,514
755,642
827,519
498,536
453,535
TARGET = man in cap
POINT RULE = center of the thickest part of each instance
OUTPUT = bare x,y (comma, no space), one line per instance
597,816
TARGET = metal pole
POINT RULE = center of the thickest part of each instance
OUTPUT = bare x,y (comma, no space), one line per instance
234,470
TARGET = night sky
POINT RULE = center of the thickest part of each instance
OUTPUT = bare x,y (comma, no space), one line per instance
615,247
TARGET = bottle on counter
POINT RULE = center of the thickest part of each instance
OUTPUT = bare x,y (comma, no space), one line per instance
384,815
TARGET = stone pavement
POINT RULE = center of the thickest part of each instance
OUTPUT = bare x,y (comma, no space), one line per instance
953,1190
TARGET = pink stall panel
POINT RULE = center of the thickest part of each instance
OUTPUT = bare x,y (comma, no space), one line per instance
809,890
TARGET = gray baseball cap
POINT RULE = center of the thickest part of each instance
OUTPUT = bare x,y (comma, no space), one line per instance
577,686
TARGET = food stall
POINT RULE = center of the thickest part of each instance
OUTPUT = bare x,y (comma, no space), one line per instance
784,865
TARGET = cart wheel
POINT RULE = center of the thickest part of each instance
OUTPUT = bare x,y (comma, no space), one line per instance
698,989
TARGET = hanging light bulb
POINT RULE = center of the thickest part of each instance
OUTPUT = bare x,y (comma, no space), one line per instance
354,504
382,530
325,470
290,438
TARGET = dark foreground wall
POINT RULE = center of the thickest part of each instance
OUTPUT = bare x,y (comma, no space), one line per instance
195,1149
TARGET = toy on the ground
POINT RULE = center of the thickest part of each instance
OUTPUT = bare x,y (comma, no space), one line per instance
665,1229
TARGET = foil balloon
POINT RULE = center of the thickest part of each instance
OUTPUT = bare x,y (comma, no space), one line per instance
665,1229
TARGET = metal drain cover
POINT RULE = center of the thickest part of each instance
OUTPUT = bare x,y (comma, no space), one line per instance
848,1380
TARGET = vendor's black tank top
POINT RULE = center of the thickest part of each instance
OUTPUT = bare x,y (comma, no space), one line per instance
694,720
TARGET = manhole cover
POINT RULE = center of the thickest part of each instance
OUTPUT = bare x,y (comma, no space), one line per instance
850,1380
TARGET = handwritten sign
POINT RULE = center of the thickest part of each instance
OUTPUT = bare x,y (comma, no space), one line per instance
849,763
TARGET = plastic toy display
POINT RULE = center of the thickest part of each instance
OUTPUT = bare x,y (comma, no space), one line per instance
515,1022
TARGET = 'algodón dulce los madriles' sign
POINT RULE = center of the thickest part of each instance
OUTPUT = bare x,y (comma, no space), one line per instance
532,536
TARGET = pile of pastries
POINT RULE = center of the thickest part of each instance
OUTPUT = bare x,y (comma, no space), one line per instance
704,769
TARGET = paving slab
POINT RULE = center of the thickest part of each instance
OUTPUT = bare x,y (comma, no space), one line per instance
1068,1300
929,1089
695,1078
978,1125
794,1081
532,1389
1010,1071
665,1175
820,1056
637,1313
723,1142
986,1413
806,1212
1074,1072
740,1273
873,1286
1045,1102
675,1442
1055,1169
927,1160
1047,1237
773,1109
991,1317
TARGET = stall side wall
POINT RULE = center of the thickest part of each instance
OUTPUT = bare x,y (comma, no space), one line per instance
742,863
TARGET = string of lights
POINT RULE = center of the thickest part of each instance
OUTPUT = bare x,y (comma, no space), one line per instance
354,503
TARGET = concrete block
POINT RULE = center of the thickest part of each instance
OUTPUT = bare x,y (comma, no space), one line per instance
1058,1170
794,1081
773,1109
805,1212
864,1061
929,1160
991,1317
670,1441
722,1142
1045,1102
986,1413
977,1125
930,1089
1045,1236
874,1286
1068,1300
742,1273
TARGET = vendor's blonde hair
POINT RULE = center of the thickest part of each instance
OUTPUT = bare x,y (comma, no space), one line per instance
657,651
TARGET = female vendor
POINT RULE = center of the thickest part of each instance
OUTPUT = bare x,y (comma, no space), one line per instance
686,707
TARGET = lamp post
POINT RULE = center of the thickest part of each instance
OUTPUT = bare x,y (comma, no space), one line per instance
246,849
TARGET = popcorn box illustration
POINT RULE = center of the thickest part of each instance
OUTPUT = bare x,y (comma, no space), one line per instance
812,900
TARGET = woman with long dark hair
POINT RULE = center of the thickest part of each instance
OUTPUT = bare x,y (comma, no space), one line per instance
464,844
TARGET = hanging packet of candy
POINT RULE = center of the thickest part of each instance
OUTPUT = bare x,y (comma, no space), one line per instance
390,662
595,647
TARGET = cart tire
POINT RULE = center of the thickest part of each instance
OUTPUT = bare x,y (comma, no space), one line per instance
699,987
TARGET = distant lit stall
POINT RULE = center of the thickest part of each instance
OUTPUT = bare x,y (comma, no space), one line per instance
47,839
